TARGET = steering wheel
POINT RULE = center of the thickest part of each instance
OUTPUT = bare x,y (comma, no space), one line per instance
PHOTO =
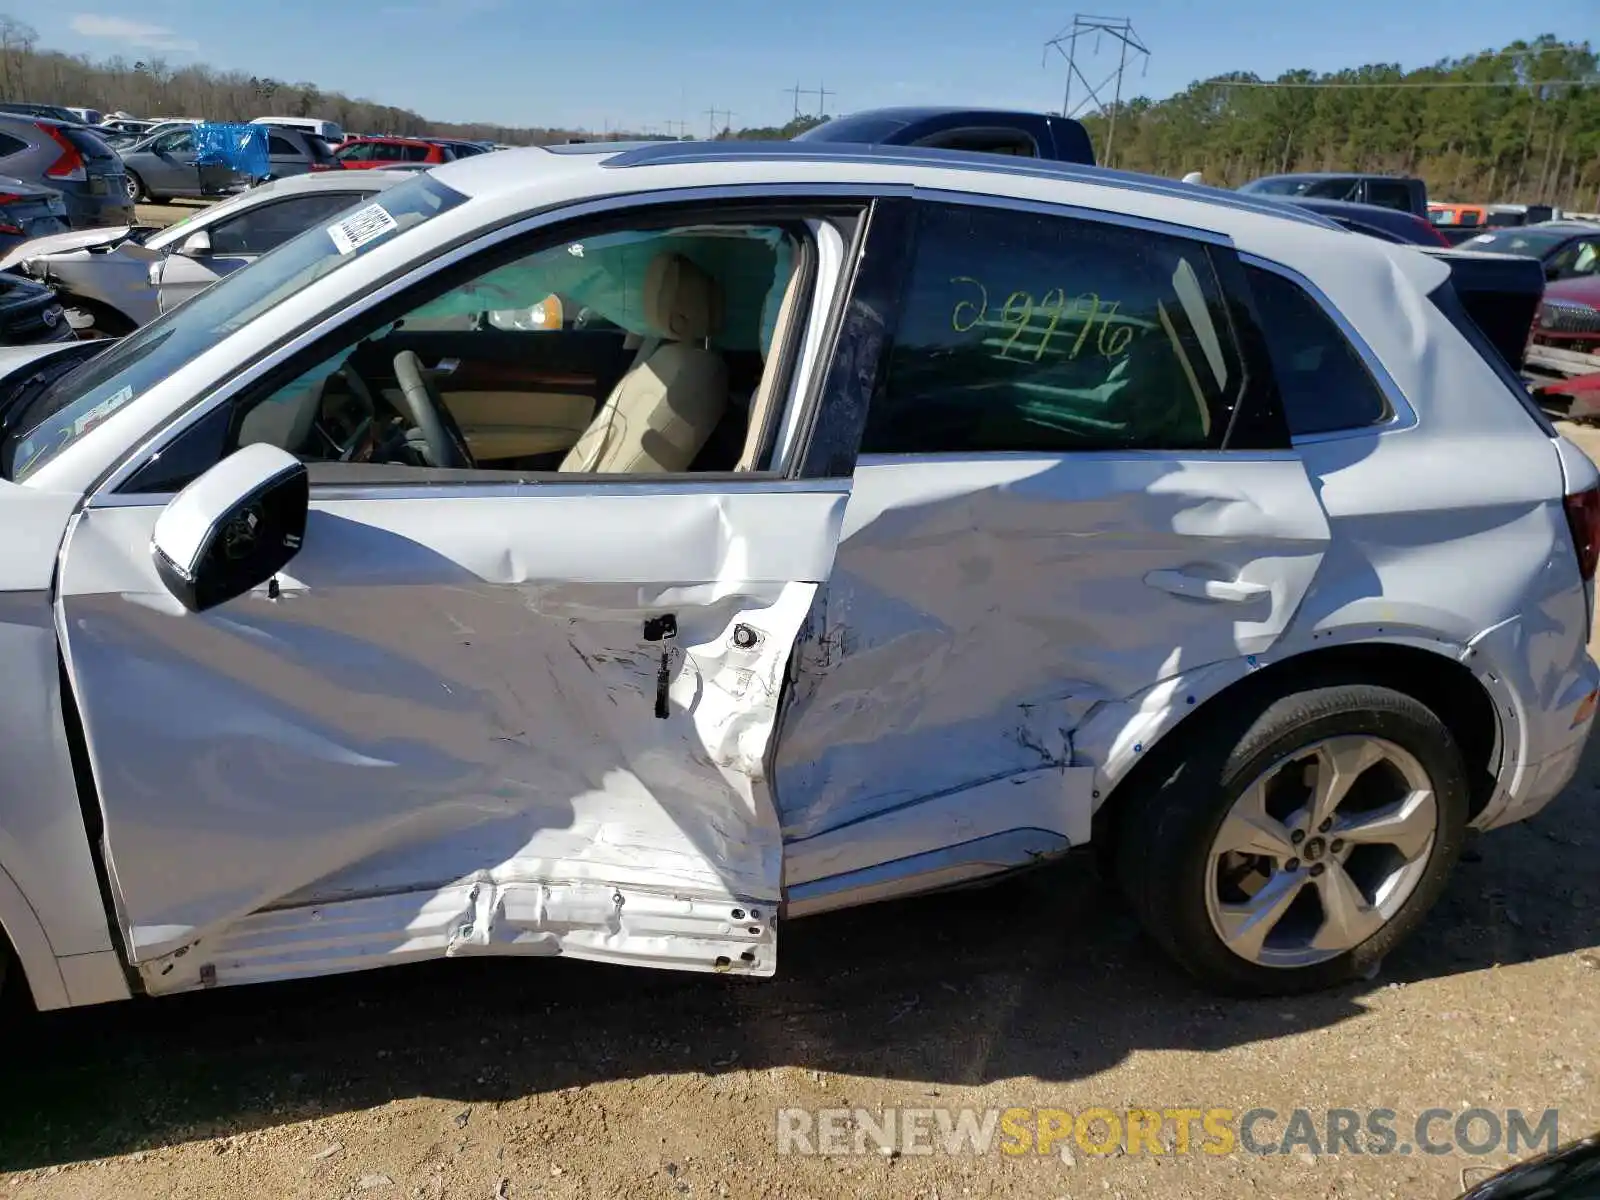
446,445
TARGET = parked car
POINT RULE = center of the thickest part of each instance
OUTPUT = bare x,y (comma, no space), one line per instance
165,166
991,131
328,131
1400,192
1565,337
1567,249
29,211
88,116
51,112
366,153
116,280
1570,1172
1389,224
840,524
30,314
1458,222
461,148
69,159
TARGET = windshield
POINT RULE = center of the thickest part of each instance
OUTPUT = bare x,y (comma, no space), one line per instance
82,399
1526,242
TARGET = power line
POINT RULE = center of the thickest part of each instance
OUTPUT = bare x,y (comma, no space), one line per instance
1066,44
711,118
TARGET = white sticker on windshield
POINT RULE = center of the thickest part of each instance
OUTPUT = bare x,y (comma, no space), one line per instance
101,411
360,227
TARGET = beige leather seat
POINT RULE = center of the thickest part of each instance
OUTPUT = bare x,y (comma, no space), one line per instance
662,412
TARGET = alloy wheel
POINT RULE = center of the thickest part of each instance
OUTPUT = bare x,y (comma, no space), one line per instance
1320,851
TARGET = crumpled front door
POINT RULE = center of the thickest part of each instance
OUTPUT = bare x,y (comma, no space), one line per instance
502,721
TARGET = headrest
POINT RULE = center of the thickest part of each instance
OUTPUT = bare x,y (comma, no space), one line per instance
680,299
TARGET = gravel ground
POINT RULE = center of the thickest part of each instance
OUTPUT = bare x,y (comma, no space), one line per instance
552,1079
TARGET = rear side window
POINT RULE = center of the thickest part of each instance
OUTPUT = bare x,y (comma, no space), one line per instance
89,144
282,147
1389,193
411,152
11,145
1323,383
1016,142
1333,189
1027,332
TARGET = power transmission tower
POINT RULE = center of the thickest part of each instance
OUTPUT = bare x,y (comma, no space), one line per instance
1068,44
711,119
796,92
677,128
822,94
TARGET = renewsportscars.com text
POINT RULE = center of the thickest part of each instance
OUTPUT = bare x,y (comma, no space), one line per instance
1211,1131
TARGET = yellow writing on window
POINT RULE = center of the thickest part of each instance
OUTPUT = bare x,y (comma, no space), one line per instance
1092,318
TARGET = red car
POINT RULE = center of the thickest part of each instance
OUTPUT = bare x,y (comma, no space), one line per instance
369,152
1566,330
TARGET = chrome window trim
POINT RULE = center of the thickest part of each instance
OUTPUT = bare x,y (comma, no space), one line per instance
135,457
1404,416
1051,208
524,488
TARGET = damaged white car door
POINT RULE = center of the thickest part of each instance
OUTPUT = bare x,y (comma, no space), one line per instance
478,711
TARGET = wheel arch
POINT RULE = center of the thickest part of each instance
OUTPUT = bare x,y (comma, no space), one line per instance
23,940
1433,678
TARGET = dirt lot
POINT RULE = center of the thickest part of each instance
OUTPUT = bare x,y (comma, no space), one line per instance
553,1079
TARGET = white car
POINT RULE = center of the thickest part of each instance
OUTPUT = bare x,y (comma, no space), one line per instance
832,524
112,280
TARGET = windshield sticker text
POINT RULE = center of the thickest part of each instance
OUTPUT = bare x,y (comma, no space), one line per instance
360,227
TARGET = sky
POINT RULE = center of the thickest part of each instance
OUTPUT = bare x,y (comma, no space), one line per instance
597,65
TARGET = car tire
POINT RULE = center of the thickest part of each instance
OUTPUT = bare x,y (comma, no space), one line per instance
136,190
1210,789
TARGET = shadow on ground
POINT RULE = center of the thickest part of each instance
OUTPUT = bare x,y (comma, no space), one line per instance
1046,976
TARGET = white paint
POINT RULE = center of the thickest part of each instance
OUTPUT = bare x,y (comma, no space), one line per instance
449,692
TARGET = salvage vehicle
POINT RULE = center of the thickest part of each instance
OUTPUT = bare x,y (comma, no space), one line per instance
1567,249
71,160
1401,192
987,130
167,164
1565,337
29,211
840,523
115,280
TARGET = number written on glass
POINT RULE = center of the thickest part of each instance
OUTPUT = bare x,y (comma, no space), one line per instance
1093,320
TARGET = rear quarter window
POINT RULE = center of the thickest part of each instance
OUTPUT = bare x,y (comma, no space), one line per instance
1324,385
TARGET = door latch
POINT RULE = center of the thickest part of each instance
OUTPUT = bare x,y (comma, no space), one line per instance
661,629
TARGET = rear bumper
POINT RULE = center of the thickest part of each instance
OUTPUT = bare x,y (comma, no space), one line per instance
92,212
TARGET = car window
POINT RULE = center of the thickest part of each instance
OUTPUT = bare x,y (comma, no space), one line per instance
1578,257
1333,189
412,153
1041,333
726,283
179,141
1015,142
1389,193
267,226
81,399
1530,243
11,145
1323,383
357,152
282,147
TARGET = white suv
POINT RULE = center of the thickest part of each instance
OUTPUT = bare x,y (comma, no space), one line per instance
616,554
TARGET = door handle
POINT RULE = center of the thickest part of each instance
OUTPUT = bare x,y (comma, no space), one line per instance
1197,587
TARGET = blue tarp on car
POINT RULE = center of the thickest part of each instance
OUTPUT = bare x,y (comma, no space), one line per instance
242,148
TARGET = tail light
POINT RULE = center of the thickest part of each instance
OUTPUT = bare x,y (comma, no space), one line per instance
9,226
70,166
1583,519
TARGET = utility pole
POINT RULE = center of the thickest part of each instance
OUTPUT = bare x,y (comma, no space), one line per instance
822,94
711,119
796,92
1068,44
677,128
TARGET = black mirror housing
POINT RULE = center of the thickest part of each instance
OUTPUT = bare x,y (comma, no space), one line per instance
233,528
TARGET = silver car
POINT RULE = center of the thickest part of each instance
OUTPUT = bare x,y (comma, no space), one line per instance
114,280
73,160
166,165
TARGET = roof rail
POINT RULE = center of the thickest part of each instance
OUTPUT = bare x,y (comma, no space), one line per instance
678,153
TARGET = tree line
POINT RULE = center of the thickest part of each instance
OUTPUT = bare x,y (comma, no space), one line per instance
1518,124
1513,127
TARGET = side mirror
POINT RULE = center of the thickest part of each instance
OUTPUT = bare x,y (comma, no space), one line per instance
234,528
196,244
